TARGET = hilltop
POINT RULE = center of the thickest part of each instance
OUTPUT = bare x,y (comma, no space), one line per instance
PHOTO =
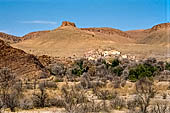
157,35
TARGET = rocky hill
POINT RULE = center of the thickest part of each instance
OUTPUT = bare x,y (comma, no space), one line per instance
34,35
68,40
23,64
108,31
66,23
157,35
163,26
9,38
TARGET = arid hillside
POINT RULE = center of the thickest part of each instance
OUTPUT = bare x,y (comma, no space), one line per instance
21,63
157,35
9,38
68,40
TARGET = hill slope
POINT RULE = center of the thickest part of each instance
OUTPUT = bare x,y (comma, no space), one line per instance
9,38
157,35
68,40
21,63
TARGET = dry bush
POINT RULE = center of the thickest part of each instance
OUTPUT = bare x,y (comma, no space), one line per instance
73,99
90,107
57,69
57,102
9,93
160,108
26,104
48,84
118,103
145,92
40,98
132,104
105,94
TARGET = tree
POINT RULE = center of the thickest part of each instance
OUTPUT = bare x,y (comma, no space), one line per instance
142,71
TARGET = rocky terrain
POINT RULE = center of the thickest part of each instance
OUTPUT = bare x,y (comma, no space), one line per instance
157,35
22,64
10,38
108,31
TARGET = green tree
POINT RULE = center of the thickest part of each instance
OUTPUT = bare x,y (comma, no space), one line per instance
141,71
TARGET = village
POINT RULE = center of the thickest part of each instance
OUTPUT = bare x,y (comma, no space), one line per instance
106,54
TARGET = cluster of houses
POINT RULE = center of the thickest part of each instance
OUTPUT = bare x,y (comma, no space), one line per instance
99,53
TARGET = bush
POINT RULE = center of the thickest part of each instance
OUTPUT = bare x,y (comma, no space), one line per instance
167,66
117,103
40,98
106,94
118,71
142,71
132,104
57,102
79,67
115,63
57,69
50,84
26,104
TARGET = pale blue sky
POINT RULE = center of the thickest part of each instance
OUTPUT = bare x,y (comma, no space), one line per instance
19,17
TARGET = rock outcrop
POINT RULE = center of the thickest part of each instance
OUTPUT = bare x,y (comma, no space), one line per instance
162,26
109,31
34,34
10,38
22,64
66,23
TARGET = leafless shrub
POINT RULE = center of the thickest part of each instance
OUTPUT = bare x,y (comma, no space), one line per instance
7,82
40,98
51,84
85,81
18,86
11,101
57,102
26,104
90,107
117,103
57,69
117,82
132,104
106,94
145,92
73,99
160,108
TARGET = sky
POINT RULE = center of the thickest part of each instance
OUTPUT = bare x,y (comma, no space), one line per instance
19,17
